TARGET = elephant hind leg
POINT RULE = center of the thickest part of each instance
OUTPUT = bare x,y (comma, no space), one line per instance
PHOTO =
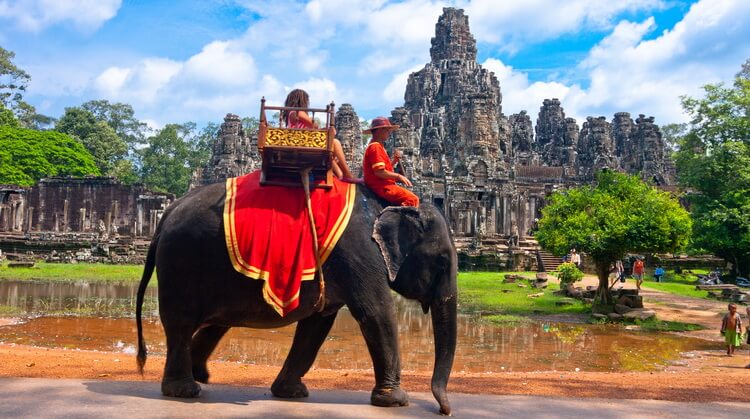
203,344
178,376
308,338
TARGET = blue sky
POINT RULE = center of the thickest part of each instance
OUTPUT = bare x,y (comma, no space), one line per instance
196,60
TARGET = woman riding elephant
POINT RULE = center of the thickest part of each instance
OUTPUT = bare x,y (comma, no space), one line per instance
201,296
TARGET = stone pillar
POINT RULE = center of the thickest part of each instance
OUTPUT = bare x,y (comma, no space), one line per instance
66,208
82,215
29,223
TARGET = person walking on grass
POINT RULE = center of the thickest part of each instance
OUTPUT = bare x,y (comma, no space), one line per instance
731,329
747,331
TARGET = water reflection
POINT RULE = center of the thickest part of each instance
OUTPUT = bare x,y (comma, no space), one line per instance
481,347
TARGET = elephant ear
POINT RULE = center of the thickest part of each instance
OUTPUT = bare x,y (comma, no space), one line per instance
396,231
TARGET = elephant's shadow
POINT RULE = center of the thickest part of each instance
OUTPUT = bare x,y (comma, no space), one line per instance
234,395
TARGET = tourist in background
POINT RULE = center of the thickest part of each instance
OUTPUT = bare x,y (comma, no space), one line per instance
638,272
658,273
747,331
575,258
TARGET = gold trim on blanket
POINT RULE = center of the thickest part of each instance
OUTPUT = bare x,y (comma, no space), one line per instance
308,274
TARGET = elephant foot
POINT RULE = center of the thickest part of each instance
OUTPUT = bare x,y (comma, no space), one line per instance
389,397
186,388
289,389
200,374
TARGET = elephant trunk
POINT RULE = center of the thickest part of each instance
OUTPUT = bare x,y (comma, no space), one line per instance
444,327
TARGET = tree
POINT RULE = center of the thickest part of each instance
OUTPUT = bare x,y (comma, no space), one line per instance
672,134
97,136
715,150
618,215
26,156
7,118
171,157
13,83
13,80
121,117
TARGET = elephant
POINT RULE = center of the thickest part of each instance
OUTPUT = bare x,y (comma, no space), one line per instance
405,249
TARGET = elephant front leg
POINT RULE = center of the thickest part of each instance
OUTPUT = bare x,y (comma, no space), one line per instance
381,335
203,344
308,338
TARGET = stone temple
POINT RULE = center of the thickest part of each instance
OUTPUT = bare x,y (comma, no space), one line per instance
489,173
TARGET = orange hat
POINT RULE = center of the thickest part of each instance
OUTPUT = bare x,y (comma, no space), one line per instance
380,122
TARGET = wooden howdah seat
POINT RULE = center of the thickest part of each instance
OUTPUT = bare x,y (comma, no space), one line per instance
288,151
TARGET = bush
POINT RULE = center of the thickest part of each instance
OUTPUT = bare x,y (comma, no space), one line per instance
27,156
568,273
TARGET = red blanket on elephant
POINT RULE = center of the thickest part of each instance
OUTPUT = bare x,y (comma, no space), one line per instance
268,233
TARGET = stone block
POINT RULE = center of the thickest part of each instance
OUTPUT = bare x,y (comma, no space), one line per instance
599,316
614,316
639,314
622,309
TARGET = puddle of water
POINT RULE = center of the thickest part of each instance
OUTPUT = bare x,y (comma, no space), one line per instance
481,347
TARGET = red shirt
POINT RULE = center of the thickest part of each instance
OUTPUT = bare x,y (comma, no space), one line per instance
376,158
638,267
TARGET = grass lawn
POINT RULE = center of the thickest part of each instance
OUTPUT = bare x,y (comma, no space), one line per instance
485,292
92,272
679,284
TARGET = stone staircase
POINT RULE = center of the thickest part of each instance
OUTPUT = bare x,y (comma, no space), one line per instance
548,262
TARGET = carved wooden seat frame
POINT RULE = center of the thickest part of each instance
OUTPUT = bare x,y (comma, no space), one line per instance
287,151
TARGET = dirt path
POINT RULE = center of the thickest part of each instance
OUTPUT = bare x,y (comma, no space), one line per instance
702,378
672,307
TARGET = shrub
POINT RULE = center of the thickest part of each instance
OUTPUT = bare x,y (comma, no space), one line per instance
568,273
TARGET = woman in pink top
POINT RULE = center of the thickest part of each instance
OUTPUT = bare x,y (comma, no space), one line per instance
299,98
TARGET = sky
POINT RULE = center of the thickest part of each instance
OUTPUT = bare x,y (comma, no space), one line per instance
197,60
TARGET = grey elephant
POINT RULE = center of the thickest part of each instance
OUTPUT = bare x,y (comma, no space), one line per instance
201,296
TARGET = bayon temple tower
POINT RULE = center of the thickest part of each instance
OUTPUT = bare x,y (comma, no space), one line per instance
488,172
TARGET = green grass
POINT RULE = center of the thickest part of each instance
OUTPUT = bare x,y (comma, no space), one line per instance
678,284
654,325
485,292
92,272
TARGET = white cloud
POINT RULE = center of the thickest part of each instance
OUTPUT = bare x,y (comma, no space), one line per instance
321,91
520,94
515,24
221,63
36,15
628,72
395,90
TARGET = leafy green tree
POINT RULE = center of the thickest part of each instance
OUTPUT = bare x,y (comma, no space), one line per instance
672,134
7,118
714,161
26,156
250,125
13,80
171,157
121,117
97,136
618,215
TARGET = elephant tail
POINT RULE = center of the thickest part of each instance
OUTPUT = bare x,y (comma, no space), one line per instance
148,270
